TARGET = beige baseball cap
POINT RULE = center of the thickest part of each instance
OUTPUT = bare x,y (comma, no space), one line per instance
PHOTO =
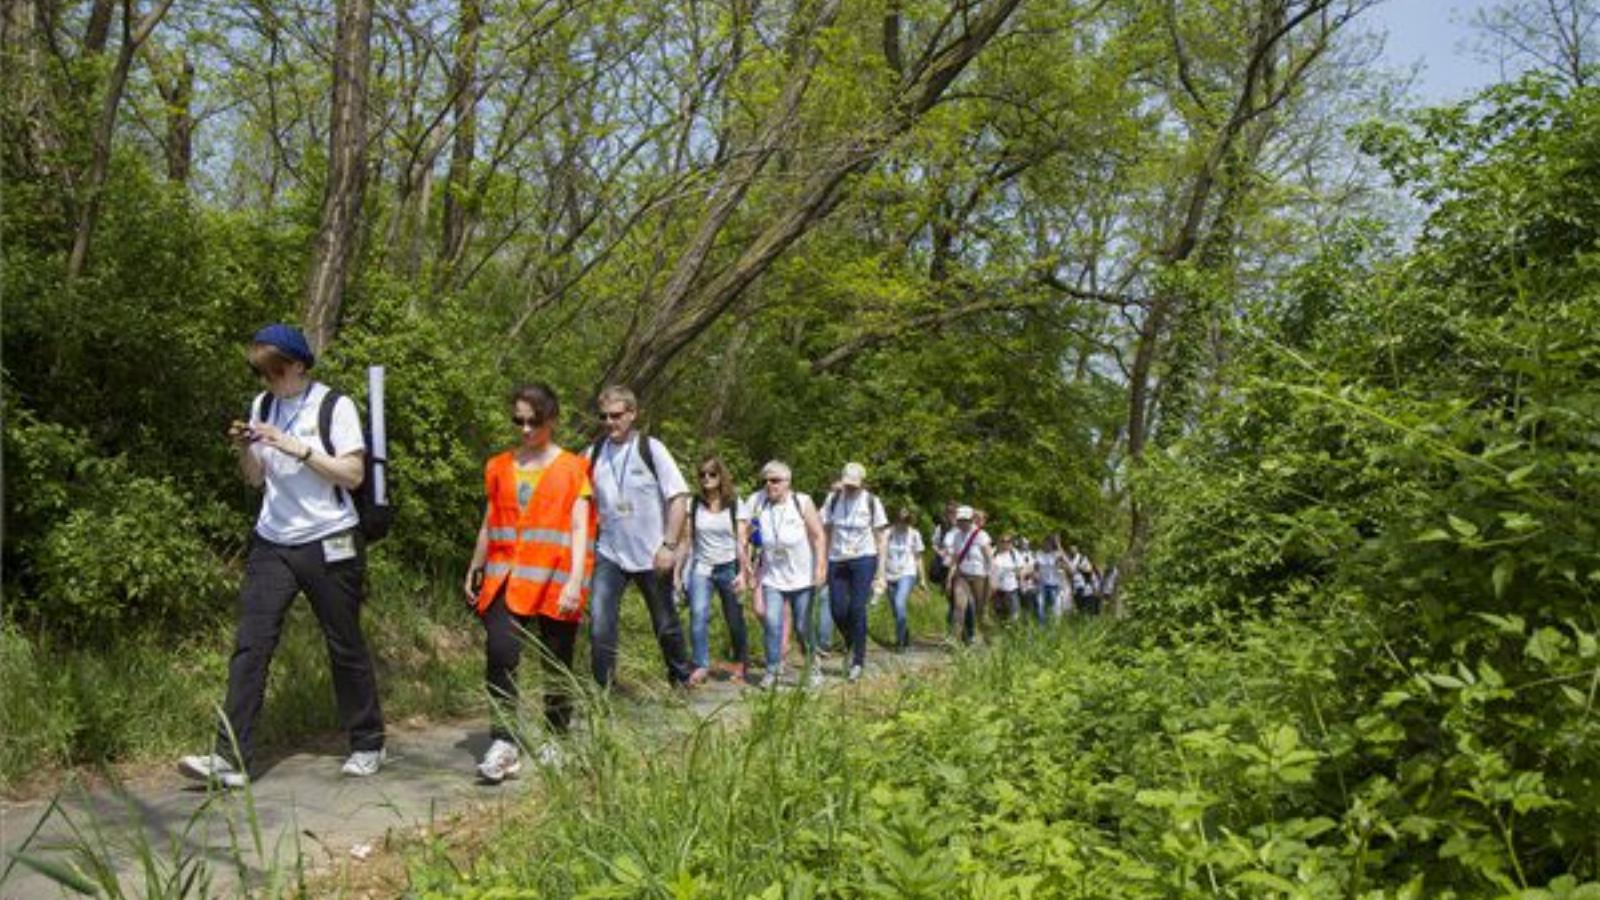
853,474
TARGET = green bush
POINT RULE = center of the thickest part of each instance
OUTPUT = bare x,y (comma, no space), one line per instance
103,547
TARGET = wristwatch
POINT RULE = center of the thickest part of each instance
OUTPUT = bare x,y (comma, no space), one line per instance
306,456
671,546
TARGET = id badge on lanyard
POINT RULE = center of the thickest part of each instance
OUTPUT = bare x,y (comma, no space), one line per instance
624,506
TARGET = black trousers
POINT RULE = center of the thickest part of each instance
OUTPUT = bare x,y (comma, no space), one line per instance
274,575
504,632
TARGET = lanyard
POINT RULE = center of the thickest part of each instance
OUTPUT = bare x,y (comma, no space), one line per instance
288,427
620,473
772,515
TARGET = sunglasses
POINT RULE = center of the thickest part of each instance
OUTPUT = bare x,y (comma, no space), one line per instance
527,421
705,475
776,480
615,416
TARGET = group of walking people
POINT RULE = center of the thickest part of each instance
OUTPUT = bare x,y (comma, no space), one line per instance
1009,579
566,531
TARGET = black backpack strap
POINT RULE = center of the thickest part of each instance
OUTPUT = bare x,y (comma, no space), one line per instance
261,407
647,451
330,397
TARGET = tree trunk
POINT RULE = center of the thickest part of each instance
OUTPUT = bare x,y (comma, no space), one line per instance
100,141
333,252
98,31
464,100
177,95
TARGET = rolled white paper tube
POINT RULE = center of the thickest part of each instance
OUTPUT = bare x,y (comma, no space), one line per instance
380,444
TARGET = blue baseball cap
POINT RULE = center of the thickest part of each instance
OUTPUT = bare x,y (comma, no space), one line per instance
288,339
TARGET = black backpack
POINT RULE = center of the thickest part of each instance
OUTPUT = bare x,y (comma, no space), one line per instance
375,518
645,450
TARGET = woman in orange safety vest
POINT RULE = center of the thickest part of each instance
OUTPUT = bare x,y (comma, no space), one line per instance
530,573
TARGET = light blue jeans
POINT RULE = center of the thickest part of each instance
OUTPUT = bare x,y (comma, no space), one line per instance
897,601
720,579
772,622
1048,596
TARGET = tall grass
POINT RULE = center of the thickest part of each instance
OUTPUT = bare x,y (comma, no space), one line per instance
146,697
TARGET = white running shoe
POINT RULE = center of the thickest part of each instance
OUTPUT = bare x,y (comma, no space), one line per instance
212,767
501,761
364,762
769,681
855,674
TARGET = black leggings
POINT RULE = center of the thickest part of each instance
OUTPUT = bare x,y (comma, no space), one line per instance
503,633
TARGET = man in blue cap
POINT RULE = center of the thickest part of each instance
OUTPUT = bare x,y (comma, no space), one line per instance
305,539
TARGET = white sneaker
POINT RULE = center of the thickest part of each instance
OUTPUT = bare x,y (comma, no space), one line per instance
550,756
501,761
212,767
769,681
855,673
364,762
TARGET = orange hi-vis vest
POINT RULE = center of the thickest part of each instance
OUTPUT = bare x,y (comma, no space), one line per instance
530,548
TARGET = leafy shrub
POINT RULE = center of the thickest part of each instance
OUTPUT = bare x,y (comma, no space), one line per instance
101,546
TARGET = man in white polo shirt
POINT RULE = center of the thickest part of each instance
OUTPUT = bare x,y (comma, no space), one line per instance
641,497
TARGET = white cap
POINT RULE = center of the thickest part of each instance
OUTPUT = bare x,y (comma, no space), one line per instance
853,474
963,512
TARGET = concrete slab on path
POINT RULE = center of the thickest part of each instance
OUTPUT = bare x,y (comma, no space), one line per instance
306,814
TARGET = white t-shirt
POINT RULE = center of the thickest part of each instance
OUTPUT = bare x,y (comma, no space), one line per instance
301,506
1048,566
851,521
1008,570
786,560
1077,567
632,502
714,539
973,564
905,545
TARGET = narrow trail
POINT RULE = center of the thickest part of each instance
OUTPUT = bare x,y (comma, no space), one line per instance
301,815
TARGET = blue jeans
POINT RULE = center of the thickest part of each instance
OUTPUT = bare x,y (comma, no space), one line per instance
897,601
849,593
605,600
772,622
1048,596
1031,602
700,586
823,626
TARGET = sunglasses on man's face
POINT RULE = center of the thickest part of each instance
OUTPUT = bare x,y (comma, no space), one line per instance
614,416
776,480
527,421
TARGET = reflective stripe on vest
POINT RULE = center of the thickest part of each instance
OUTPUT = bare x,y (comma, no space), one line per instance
545,536
502,534
540,575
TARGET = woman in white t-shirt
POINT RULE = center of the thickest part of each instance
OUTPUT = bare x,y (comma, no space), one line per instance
903,570
1005,578
1048,563
709,561
786,529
